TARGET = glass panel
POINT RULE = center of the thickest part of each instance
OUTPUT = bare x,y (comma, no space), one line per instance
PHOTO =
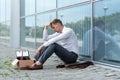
5,9
5,32
62,3
28,32
2,10
27,7
78,18
43,5
41,21
8,9
106,34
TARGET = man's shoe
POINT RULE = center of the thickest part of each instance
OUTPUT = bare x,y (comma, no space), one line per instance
60,66
82,64
35,67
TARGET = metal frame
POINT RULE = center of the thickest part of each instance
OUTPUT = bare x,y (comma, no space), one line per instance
92,58
57,9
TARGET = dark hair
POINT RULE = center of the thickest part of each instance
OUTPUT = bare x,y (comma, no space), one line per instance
99,23
56,21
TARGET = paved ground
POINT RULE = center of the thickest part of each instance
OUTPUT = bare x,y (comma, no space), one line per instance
50,72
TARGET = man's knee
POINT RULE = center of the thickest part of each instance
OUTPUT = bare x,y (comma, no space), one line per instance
54,45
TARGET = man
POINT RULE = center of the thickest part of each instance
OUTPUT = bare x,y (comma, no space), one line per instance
63,43
103,42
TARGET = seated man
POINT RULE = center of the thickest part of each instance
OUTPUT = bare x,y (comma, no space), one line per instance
63,43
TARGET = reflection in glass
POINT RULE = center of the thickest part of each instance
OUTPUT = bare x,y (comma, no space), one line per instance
5,32
29,7
28,32
2,10
43,5
109,13
5,14
62,3
8,9
78,18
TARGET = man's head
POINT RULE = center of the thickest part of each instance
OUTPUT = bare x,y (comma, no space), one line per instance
56,25
100,24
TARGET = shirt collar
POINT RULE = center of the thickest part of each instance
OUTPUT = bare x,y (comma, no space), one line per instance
63,28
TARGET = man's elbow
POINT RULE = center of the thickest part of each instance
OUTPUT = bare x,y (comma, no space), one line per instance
45,39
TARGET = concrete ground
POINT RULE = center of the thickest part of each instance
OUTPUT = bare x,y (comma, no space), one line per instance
50,72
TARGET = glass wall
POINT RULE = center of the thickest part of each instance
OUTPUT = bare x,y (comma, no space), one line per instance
107,21
76,14
5,21
8,9
2,10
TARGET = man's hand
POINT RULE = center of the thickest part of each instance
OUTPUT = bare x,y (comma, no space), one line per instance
39,49
47,25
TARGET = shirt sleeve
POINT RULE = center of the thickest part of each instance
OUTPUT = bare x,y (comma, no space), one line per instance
46,37
61,36
105,35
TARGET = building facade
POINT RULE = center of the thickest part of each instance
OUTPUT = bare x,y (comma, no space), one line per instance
22,22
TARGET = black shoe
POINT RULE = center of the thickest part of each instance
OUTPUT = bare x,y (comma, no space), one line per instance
60,66
81,65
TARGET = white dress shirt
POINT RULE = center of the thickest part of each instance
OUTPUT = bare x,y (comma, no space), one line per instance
66,39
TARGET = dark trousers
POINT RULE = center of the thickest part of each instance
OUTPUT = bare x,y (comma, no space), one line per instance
66,56
100,51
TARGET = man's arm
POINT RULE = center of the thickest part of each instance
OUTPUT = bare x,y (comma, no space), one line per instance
104,35
46,37
58,38
40,49
45,33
